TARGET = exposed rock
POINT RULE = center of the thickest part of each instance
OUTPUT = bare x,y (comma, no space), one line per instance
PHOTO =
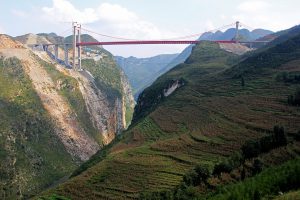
7,43
172,87
79,144
235,48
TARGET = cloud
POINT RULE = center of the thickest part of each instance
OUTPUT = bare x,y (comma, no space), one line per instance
265,14
64,11
19,13
209,25
115,20
112,18
253,6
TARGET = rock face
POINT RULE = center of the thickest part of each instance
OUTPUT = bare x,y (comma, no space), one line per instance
151,97
84,112
235,48
172,87
77,142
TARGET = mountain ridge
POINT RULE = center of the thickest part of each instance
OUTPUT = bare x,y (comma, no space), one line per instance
197,115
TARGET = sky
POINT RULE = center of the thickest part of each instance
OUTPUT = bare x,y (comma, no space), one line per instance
144,19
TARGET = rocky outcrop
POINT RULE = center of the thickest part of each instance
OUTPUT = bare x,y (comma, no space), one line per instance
128,101
173,85
78,143
235,48
152,96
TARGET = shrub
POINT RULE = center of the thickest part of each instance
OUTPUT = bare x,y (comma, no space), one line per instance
280,138
202,174
294,100
222,167
251,149
190,177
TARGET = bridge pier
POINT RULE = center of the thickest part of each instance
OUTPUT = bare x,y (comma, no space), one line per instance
56,51
66,55
236,37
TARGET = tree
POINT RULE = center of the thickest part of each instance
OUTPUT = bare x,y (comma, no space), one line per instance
251,149
242,81
280,138
202,174
190,177
257,166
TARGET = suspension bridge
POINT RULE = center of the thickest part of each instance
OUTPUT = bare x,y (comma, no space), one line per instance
77,43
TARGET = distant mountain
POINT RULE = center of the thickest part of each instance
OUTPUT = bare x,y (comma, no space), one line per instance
244,34
85,38
229,34
52,37
142,72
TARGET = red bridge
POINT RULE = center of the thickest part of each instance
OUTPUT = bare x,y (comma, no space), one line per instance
149,42
77,43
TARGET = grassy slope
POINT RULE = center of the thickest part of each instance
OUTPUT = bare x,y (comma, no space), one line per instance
31,155
266,185
204,121
108,79
294,195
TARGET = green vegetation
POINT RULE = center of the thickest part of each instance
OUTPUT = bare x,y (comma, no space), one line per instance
294,195
142,72
68,88
269,182
294,100
207,122
288,77
32,156
253,148
107,76
272,57
54,197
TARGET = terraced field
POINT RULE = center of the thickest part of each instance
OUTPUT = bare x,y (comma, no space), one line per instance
205,121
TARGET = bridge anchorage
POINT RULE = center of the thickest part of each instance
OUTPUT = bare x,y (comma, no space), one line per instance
77,44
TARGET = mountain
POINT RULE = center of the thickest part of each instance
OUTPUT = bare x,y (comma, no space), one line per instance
53,118
207,129
142,72
229,34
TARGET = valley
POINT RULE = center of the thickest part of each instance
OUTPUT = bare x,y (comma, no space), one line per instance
150,100
217,108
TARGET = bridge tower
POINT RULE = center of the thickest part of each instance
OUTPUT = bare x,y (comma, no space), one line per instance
76,39
236,37
74,27
79,47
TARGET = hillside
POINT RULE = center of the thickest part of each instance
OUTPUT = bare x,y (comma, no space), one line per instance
199,131
229,34
32,154
142,72
54,118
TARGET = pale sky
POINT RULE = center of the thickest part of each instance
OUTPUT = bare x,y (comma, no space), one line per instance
144,19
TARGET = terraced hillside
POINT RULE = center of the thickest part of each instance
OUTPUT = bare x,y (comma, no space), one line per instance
213,111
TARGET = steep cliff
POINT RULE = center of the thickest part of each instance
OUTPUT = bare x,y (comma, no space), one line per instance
69,116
